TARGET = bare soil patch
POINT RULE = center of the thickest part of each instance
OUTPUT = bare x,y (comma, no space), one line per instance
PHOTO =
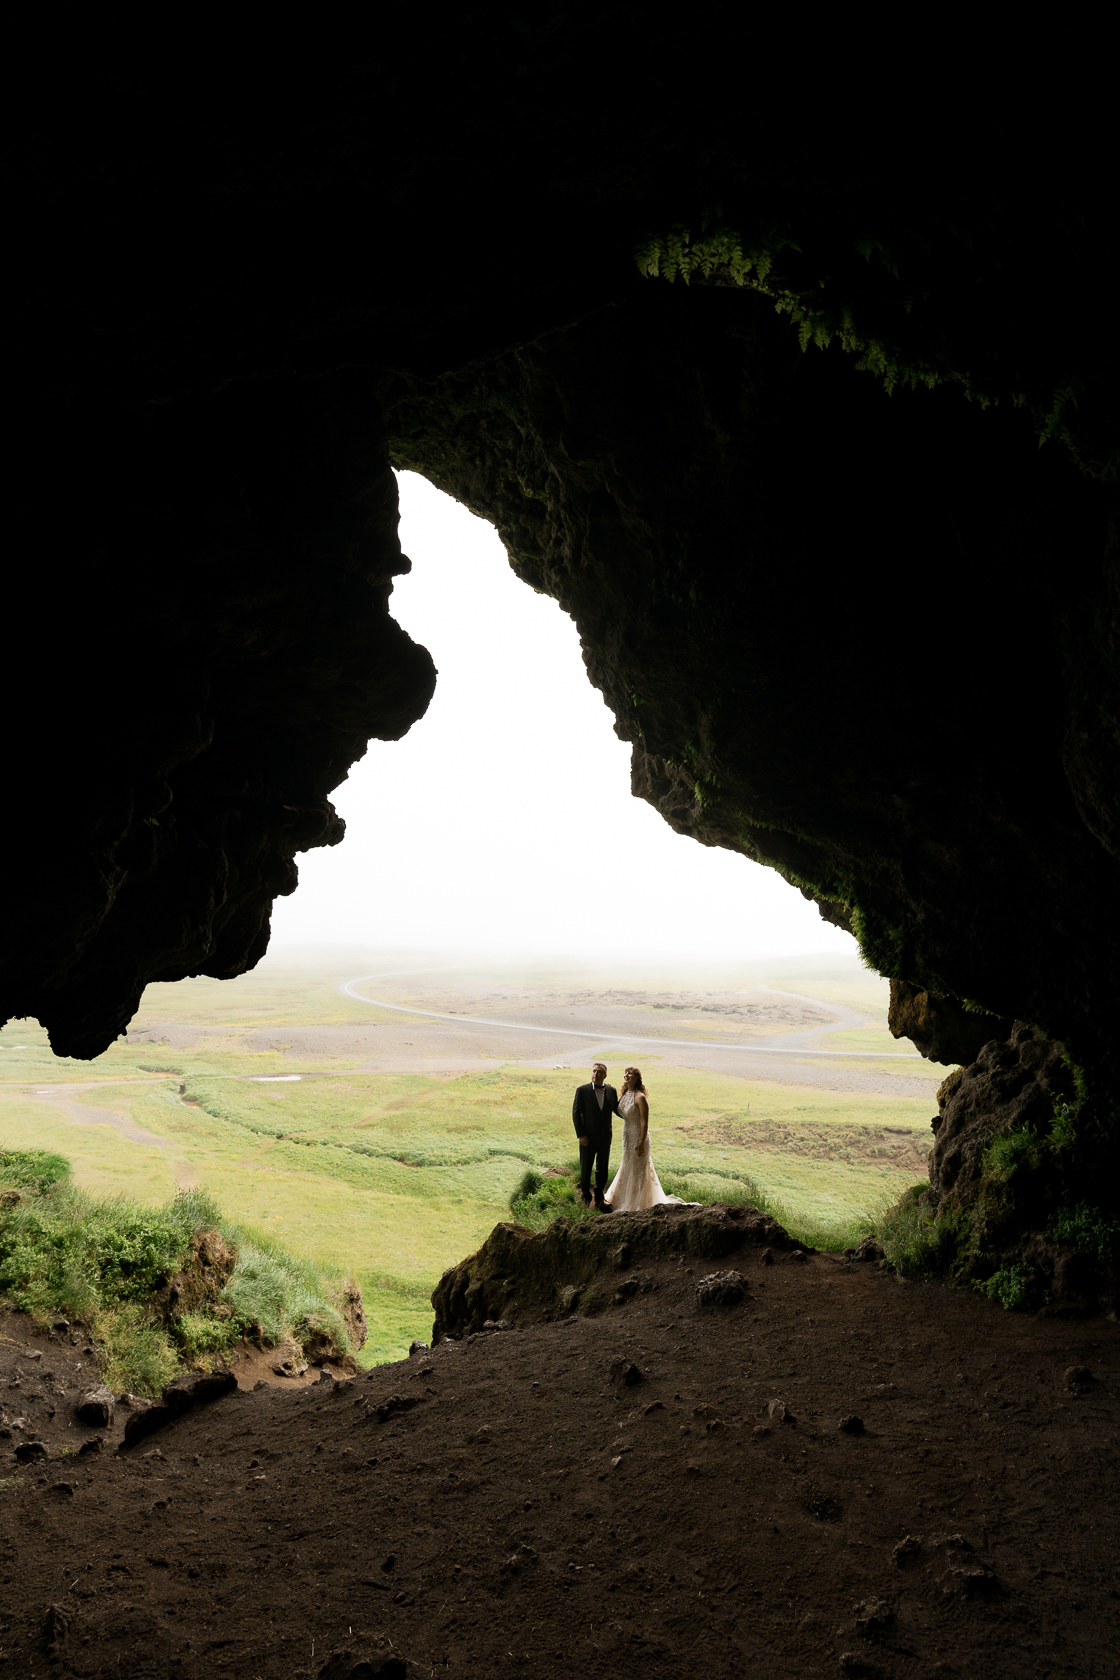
663,1485
898,1146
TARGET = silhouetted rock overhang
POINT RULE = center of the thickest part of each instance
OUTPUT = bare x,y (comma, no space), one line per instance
709,383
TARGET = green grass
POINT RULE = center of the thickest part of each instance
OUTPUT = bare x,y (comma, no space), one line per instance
103,1262
390,1178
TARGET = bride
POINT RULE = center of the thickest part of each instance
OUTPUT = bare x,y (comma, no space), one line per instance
635,1185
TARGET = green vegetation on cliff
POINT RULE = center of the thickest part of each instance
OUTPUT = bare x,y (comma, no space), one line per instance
153,1285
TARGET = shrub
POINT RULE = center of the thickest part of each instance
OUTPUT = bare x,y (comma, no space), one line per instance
1011,1286
1088,1229
1005,1155
137,1356
911,1239
281,1296
32,1169
104,1261
537,1201
200,1334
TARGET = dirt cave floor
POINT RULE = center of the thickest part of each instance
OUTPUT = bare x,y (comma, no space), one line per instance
511,1502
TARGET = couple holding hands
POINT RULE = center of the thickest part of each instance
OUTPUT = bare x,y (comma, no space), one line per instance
635,1185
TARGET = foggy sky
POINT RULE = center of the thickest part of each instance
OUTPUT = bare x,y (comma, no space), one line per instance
504,819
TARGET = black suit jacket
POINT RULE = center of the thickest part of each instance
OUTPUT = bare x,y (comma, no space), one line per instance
589,1120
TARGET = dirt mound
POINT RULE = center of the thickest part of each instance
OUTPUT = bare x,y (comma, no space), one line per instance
527,1277
665,1484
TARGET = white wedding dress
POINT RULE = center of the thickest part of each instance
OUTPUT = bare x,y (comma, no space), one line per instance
635,1184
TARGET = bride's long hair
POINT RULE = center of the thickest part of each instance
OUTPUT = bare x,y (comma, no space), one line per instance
633,1081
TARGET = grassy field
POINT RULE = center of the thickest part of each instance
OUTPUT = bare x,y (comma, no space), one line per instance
393,1177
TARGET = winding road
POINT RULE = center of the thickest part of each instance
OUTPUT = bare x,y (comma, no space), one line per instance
848,1018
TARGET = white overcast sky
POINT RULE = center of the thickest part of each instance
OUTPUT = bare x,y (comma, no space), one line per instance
504,819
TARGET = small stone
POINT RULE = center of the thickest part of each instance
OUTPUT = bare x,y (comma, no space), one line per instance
760,1429
95,1446
851,1425
290,1368
56,1627
779,1412
654,1406
61,1325
974,1581
721,1289
798,1254
615,1462
259,1384
623,1374
823,1506
95,1407
872,1615
399,1403
33,1353
868,1250
28,1450
767,1257
417,1347
570,1297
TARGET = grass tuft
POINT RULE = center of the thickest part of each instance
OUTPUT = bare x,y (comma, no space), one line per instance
912,1241
539,1199
31,1169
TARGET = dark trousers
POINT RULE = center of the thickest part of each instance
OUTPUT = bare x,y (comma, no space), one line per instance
597,1150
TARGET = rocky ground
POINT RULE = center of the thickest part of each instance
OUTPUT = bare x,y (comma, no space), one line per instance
637,1485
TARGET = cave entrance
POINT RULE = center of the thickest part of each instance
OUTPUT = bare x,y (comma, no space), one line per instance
504,818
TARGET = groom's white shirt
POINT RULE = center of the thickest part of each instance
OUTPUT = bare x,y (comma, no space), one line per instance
600,1092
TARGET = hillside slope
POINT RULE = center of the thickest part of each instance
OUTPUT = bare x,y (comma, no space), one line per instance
510,1502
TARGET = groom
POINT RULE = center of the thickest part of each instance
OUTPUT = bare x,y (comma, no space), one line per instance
592,1108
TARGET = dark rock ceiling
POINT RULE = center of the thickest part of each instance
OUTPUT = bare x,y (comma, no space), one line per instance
855,621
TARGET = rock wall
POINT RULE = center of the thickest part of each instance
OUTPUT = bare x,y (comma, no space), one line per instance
522,1276
940,1028
200,686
